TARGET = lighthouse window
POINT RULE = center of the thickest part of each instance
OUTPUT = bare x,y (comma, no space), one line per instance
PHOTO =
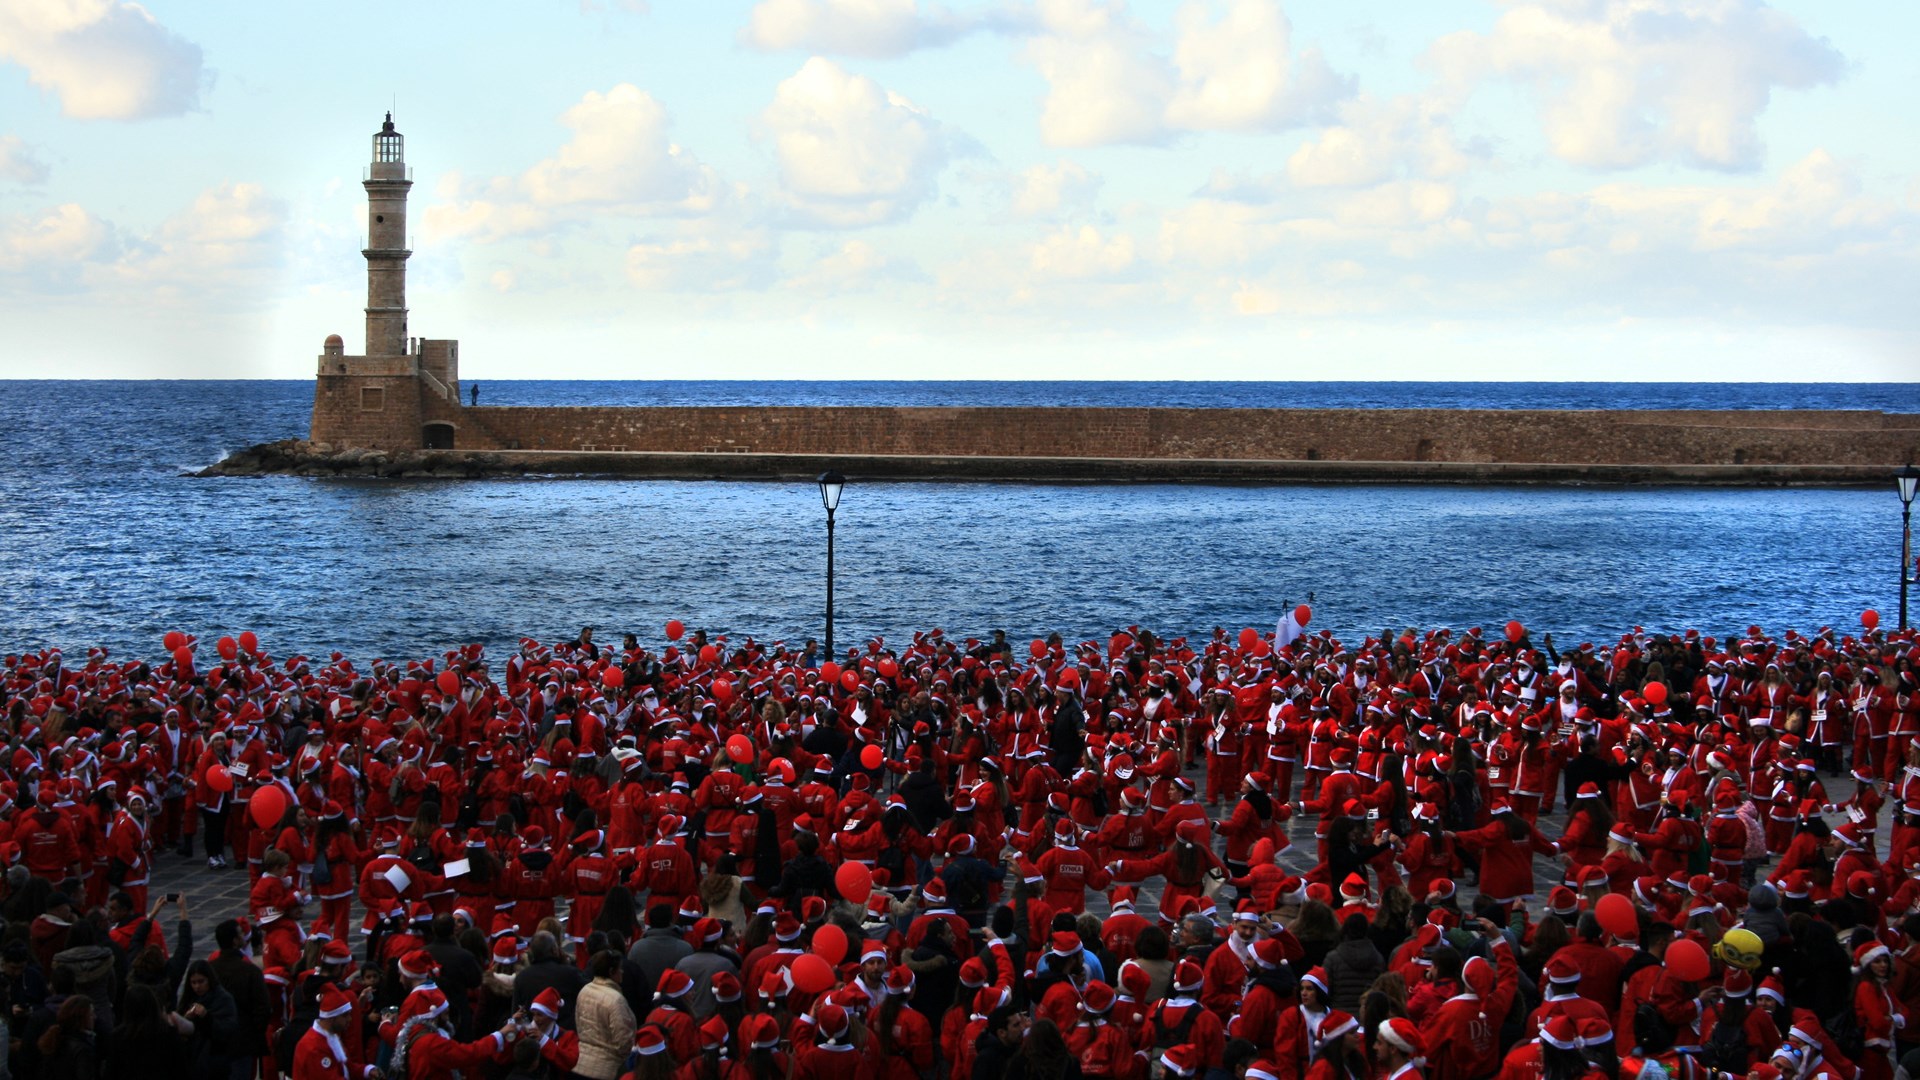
379,217
373,399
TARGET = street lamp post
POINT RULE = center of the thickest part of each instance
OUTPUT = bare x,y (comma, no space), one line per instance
1906,478
831,485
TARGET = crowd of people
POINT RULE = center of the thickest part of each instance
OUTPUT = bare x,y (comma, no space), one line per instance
1277,856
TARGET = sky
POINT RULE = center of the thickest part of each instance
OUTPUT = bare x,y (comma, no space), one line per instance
1663,190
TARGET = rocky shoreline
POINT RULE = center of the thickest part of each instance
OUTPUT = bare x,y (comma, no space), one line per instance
298,457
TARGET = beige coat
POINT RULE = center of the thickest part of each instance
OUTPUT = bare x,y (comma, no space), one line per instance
605,1025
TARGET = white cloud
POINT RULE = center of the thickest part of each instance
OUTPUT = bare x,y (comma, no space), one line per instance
104,59
1239,72
619,161
222,241
17,163
1233,68
867,28
1083,254
851,153
1377,141
855,266
704,260
1621,83
1046,190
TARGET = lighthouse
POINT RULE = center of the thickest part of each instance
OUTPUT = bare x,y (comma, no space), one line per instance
403,393
387,183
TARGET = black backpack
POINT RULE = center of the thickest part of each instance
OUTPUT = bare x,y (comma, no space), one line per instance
1844,1029
1726,1048
1650,1029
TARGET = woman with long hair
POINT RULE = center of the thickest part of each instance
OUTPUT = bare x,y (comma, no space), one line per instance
1042,1055
335,868
67,1048
1340,1055
1877,1012
145,1041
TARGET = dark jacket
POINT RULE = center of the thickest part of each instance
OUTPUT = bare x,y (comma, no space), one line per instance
459,976
1351,968
561,976
990,1057
243,981
926,799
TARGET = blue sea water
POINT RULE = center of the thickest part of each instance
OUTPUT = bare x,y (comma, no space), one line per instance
104,541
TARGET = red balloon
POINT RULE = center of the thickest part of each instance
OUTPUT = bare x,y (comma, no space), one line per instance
709,654
854,882
829,672
811,974
1655,693
448,682
183,658
1302,615
218,778
850,679
872,757
1870,618
267,806
228,647
830,944
740,749
1038,649
1515,631
1687,961
613,678
722,691
1248,635
249,642
1616,916
1261,648
173,640
888,669
674,629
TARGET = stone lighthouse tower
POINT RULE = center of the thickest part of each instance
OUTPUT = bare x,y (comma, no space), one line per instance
404,393
387,184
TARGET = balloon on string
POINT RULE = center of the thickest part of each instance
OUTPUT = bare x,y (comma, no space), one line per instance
228,648
674,629
1687,961
1303,614
830,944
249,642
829,672
1655,693
448,682
854,882
1515,631
811,974
1248,636
709,654
219,779
740,749
613,678
183,658
850,679
872,756
1616,916
723,691
887,667
173,640
267,806
1869,619
1038,649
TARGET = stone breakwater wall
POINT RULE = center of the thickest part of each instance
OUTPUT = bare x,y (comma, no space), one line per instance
1101,444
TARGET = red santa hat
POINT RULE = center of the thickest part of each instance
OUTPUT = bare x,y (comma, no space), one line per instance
1403,1035
335,1002
649,1041
1336,1024
547,1003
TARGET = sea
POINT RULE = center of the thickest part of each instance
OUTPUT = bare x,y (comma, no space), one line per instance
105,540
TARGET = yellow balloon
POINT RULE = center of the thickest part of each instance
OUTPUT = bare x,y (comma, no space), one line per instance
1741,948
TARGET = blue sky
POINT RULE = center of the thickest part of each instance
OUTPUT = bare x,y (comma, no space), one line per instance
1263,189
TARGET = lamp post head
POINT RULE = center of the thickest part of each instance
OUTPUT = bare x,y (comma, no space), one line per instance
832,483
1906,478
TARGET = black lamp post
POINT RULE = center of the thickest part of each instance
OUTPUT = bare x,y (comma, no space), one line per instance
1906,478
831,484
